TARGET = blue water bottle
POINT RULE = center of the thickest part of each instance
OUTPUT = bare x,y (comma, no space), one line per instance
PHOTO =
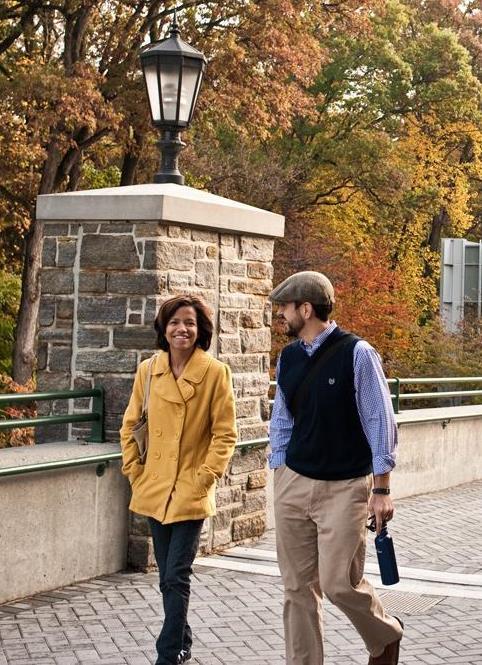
386,557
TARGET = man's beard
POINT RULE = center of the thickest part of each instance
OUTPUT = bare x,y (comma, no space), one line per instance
294,328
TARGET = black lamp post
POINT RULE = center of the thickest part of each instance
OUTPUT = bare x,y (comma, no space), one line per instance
173,71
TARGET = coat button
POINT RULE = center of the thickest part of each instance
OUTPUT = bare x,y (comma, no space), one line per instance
174,457
155,476
158,431
157,455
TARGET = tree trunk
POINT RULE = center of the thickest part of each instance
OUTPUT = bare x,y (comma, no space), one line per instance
24,355
129,166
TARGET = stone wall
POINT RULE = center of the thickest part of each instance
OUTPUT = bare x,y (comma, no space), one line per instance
102,283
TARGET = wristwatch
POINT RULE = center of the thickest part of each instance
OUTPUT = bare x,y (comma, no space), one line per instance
381,490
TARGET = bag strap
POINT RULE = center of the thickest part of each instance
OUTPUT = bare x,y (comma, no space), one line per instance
322,356
147,386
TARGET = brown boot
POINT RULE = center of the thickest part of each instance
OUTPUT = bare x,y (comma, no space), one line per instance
390,654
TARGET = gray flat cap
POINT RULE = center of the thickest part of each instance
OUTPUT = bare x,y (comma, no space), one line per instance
307,286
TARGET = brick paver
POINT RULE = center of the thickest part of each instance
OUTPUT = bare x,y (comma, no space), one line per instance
236,617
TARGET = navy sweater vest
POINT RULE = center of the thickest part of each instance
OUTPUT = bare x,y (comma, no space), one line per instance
327,441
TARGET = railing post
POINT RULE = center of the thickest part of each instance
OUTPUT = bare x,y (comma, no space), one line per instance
396,401
97,429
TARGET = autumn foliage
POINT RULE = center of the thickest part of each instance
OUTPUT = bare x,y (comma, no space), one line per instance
358,120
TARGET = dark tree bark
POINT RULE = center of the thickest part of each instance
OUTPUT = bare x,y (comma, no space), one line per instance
24,357
129,167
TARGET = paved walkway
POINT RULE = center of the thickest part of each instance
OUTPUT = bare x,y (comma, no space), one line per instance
236,616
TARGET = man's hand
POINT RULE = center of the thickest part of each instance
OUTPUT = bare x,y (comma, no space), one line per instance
381,505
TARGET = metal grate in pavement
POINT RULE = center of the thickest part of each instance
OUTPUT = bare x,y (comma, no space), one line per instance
408,603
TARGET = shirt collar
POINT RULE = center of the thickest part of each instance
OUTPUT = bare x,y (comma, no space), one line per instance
319,339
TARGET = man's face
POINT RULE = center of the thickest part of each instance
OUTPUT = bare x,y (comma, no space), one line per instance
290,316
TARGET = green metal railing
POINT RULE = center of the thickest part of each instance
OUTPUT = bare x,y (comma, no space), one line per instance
96,416
398,395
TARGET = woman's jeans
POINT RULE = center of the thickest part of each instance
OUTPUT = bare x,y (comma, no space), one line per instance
175,546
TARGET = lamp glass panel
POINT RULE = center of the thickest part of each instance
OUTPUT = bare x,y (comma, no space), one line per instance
150,74
188,92
170,88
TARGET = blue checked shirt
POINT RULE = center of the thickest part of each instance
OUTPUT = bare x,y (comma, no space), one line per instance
373,401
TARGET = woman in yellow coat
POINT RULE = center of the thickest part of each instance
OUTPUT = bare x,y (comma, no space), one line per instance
191,434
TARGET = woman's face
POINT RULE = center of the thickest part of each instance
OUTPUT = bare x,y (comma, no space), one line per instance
181,329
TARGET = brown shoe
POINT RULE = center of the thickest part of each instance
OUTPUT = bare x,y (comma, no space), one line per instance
390,655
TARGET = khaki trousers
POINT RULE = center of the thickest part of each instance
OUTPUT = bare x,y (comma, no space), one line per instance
320,540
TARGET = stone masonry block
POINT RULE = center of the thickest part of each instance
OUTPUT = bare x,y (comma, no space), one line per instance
249,526
177,281
141,283
268,314
106,361
223,497
212,251
235,268
257,479
222,519
102,309
150,229
255,501
247,408
109,252
228,321
67,252
247,462
222,538
260,270
139,525
265,408
252,432
174,231
49,252
92,282
48,381
137,337
255,286
255,340
116,227
206,274
204,236
229,344
140,553
117,391
55,281
63,336
65,308
256,249
42,354
59,359
253,318
165,254
229,253
46,311
56,229
241,362
93,337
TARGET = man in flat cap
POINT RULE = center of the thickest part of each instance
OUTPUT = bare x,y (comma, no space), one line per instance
333,440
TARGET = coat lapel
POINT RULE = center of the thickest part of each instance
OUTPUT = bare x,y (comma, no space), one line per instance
166,384
183,389
194,373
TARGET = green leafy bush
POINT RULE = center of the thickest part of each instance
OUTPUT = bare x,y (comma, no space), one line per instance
10,286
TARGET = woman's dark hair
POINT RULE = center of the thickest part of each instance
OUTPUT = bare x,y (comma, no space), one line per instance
167,311
322,311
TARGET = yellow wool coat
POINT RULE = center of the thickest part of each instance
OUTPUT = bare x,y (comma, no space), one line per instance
192,434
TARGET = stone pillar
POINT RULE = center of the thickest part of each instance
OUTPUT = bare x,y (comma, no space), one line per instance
110,258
